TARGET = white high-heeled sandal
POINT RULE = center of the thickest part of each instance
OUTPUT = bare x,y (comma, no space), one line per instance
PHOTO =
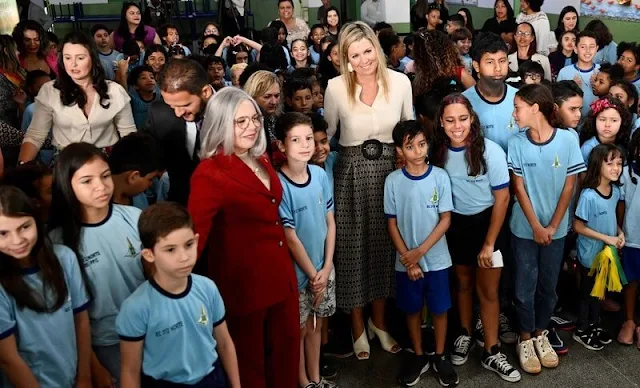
386,341
361,345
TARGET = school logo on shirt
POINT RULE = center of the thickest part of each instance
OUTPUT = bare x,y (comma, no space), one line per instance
434,196
131,251
511,125
556,162
320,201
204,319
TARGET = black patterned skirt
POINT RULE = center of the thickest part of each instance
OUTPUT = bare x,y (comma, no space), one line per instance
364,256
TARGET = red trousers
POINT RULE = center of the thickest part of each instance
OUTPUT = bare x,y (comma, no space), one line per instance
268,345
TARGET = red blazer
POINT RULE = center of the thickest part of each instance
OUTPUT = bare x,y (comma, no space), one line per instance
241,233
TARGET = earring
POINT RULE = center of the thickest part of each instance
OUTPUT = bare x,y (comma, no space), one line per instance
350,68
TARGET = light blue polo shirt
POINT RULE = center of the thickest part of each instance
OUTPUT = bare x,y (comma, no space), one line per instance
496,118
544,168
631,196
177,330
587,147
607,54
329,164
473,194
416,203
599,214
304,207
568,73
47,341
110,252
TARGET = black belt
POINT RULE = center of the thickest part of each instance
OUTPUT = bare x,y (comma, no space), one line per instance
372,149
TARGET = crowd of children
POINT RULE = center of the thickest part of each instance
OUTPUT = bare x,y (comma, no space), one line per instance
96,282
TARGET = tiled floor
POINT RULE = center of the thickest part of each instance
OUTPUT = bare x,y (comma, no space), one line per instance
616,366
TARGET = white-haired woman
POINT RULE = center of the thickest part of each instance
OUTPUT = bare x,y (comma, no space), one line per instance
234,200
367,101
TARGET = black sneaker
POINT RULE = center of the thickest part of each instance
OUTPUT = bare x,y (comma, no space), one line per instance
337,349
507,334
603,335
588,338
327,369
446,375
556,342
478,333
462,346
560,323
498,363
416,367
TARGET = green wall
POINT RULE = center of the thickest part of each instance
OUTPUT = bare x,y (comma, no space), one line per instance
267,10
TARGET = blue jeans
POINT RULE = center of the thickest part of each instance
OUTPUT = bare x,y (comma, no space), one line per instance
537,269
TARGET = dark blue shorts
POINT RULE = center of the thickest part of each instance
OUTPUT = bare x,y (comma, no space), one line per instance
216,379
432,288
631,263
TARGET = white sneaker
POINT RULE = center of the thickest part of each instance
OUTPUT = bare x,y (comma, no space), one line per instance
529,361
547,356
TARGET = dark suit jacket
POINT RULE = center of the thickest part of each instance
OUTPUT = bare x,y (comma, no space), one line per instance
170,133
241,235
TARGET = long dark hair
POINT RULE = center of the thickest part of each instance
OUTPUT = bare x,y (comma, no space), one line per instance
474,151
510,14
634,155
532,45
18,36
600,154
70,92
333,8
560,28
589,129
469,18
541,95
326,71
603,35
435,56
14,203
66,210
123,27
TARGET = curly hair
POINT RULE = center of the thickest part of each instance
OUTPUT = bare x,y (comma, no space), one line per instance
435,56
474,150
30,25
70,92
622,138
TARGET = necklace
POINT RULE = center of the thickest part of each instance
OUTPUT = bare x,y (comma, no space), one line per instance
255,168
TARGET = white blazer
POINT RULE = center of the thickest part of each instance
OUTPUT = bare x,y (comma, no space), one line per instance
541,59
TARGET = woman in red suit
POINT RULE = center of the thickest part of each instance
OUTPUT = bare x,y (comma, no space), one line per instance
234,200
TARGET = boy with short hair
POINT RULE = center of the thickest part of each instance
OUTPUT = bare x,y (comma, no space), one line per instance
462,38
322,155
108,56
170,37
216,69
531,72
582,71
135,163
454,23
307,216
629,59
418,205
567,96
299,95
143,91
492,98
607,76
174,313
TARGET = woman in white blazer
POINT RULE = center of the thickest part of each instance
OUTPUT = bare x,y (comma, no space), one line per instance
525,37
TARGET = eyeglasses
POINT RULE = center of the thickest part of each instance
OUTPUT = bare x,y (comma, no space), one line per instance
533,76
522,33
243,122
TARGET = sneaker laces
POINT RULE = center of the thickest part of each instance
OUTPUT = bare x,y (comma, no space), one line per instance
528,350
462,343
501,362
545,345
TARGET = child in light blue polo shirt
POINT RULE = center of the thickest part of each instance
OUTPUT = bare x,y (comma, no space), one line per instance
545,162
418,205
43,303
496,122
307,216
172,328
323,156
582,71
597,226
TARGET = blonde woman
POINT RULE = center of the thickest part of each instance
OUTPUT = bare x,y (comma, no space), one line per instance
264,87
366,101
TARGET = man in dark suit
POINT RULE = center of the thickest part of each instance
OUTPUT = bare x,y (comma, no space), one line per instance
175,122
